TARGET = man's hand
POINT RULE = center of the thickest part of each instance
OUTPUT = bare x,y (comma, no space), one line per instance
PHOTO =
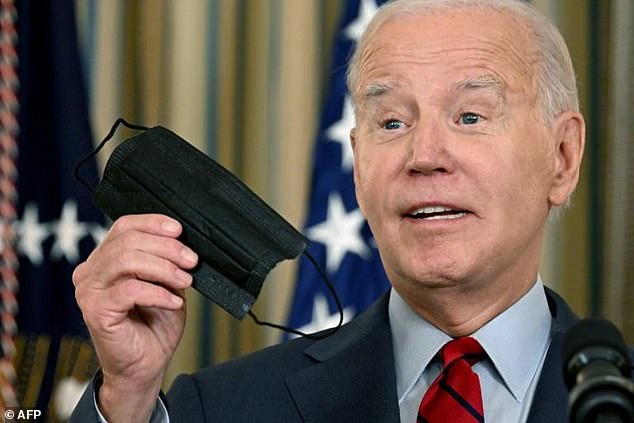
131,293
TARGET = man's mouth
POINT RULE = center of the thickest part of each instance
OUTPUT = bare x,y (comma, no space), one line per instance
436,213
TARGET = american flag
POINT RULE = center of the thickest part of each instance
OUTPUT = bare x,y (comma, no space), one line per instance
341,240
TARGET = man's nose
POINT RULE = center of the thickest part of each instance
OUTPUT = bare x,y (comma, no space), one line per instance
429,151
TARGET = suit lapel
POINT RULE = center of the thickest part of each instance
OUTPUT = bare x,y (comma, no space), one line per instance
550,403
353,379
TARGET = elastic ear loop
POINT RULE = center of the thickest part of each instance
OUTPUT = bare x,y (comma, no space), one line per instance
103,142
319,335
329,284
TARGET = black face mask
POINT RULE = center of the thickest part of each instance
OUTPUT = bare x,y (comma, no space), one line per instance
236,235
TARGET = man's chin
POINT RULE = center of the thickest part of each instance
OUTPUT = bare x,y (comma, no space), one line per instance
431,279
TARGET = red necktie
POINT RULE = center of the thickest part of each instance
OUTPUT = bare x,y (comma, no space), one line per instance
455,394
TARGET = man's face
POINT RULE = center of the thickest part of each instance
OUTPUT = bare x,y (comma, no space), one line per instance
453,164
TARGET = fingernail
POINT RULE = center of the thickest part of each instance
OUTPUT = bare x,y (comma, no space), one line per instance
170,226
183,276
189,255
176,300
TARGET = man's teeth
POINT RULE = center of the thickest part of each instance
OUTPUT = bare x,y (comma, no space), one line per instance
432,209
445,216
437,213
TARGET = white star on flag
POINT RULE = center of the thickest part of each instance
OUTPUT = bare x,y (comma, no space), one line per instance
340,132
340,233
31,234
98,233
367,9
68,231
322,319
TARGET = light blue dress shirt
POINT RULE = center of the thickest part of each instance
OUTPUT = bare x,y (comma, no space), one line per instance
515,341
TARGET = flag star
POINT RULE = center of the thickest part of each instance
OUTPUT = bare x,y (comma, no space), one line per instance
98,233
340,233
31,234
66,396
68,231
340,132
366,11
322,319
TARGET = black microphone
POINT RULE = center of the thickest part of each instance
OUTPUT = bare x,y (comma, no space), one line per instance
597,371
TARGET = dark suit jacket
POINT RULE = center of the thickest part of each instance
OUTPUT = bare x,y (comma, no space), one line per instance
347,377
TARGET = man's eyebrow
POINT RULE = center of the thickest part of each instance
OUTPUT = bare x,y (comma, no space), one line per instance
480,82
485,81
375,90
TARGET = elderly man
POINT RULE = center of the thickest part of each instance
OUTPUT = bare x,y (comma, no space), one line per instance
467,137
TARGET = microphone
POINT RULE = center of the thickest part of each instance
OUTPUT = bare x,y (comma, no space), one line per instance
597,372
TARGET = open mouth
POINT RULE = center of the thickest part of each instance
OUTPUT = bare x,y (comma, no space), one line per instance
436,213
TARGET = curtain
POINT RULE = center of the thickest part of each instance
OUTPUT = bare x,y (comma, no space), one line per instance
618,298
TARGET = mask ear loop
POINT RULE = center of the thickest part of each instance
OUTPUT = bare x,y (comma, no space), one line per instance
319,335
103,142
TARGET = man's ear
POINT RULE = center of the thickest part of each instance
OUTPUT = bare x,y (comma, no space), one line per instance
353,138
570,138
355,167
353,144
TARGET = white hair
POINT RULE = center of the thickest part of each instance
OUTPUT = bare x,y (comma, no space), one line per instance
555,76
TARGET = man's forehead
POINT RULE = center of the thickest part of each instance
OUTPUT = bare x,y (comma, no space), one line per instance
496,66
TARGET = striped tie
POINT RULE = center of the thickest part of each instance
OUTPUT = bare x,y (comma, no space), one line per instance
455,394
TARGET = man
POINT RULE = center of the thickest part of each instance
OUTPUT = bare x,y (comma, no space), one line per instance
468,135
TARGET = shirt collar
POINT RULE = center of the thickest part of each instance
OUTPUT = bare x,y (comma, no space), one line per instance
517,339
416,342
520,331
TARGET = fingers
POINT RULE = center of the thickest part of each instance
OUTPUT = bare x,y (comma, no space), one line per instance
146,257
157,224
131,293
137,250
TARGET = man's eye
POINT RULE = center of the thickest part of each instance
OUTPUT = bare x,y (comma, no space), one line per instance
469,118
392,124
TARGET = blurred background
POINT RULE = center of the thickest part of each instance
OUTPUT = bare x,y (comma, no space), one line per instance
258,86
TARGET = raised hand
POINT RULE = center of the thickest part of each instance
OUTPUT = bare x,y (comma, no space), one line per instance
131,293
